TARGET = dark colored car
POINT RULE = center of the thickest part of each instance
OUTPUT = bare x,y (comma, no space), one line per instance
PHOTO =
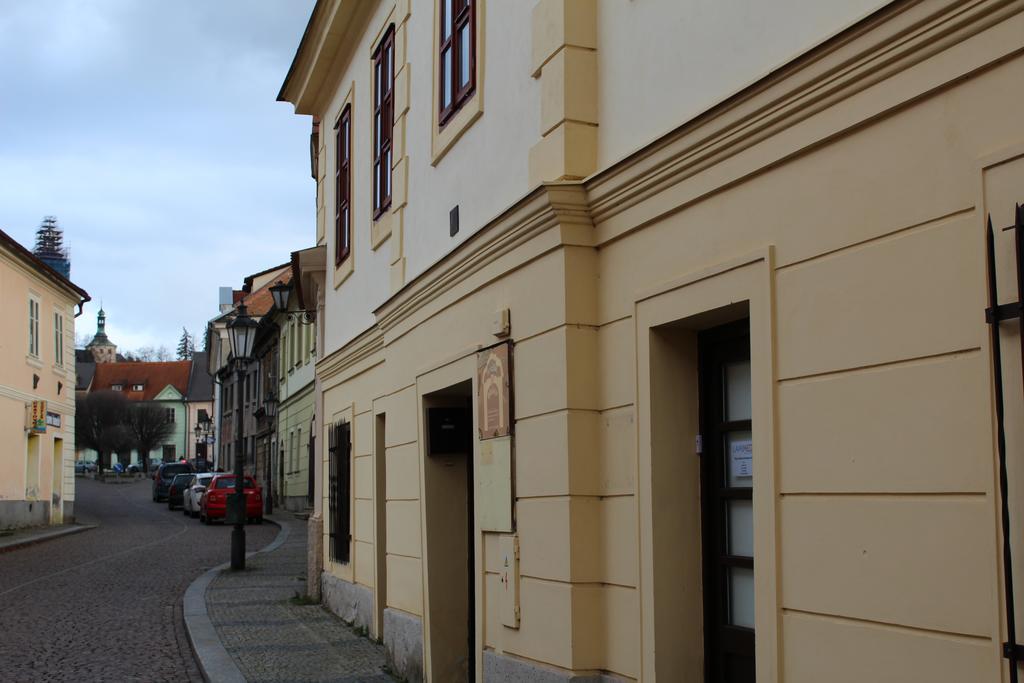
176,491
214,502
164,475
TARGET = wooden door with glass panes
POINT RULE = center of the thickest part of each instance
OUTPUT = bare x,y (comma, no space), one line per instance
727,515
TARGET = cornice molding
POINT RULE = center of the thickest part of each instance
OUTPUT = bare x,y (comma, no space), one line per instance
560,205
890,41
363,346
27,397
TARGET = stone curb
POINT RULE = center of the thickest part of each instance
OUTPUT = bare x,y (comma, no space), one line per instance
14,544
215,663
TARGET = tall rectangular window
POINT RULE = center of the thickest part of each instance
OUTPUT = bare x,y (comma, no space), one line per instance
457,60
58,339
33,327
342,187
339,492
383,120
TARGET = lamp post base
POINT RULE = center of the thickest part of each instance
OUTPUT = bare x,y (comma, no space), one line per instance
238,548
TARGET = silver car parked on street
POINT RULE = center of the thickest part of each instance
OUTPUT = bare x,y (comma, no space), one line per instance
190,499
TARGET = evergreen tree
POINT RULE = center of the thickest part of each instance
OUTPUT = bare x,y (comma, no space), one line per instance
186,345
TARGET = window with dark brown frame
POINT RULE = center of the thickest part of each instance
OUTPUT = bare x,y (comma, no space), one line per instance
727,502
342,187
383,120
457,53
339,492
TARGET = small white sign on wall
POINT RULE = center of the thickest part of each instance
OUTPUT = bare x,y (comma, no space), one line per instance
741,458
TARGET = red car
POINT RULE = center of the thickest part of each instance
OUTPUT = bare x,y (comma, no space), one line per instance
213,505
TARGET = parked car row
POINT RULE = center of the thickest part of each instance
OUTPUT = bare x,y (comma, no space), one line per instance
203,494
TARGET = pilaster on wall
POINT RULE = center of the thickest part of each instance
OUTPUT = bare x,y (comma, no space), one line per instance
319,150
564,58
399,156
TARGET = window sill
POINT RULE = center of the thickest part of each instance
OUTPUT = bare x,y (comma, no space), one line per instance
445,138
342,272
380,230
34,361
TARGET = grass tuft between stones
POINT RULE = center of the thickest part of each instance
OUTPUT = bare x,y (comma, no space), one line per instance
303,599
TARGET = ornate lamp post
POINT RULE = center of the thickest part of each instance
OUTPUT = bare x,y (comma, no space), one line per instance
270,409
242,335
202,430
198,431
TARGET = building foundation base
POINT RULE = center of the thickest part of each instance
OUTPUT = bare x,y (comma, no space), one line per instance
350,601
15,514
499,667
403,642
314,555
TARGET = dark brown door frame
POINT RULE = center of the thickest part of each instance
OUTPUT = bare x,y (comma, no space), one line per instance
728,649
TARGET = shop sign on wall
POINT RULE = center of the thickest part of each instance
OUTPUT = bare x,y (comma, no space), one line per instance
37,417
494,395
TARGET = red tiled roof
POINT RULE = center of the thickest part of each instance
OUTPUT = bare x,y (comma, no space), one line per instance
153,377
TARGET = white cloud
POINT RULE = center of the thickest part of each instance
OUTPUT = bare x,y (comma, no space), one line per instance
150,129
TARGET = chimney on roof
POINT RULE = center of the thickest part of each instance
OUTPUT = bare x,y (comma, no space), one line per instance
226,303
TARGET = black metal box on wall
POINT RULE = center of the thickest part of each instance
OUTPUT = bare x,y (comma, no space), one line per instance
448,429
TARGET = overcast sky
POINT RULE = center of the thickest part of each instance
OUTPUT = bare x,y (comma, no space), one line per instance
151,130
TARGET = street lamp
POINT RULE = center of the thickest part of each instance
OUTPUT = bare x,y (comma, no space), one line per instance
242,335
270,410
202,431
282,293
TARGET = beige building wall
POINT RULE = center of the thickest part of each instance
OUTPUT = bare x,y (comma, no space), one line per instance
662,63
839,204
37,479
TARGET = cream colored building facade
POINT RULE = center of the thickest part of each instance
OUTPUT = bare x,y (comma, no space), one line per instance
295,425
37,390
629,193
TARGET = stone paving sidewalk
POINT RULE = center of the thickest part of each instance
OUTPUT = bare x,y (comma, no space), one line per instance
270,637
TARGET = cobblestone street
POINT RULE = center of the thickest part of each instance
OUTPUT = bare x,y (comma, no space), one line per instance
105,605
272,638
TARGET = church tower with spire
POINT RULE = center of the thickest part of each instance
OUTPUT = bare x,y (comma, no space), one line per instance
103,350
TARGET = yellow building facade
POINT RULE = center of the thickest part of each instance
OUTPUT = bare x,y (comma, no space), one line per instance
738,267
37,390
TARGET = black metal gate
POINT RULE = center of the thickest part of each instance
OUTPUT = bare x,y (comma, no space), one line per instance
995,314
339,519
311,469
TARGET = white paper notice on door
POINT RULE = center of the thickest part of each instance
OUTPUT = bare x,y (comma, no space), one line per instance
741,458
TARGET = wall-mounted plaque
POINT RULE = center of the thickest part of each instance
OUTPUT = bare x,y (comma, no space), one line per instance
494,391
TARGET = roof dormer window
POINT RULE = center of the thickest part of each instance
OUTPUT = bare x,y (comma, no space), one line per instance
137,387
116,387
